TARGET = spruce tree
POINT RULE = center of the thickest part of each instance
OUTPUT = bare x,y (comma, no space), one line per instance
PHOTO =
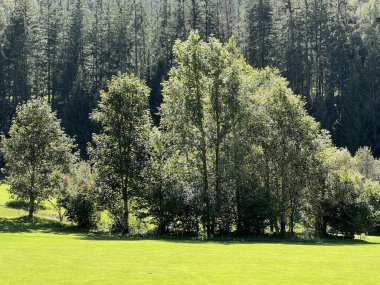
258,32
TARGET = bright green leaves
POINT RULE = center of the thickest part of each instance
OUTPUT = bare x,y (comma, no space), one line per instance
122,145
35,152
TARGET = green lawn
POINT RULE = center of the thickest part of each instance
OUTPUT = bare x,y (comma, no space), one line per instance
48,210
45,252
4,195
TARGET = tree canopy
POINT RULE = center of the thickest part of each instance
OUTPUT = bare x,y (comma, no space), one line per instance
36,152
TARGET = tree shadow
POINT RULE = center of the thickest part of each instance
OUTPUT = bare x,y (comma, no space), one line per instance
26,225
23,205
230,241
37,224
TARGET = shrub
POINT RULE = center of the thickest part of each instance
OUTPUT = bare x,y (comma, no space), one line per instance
79,197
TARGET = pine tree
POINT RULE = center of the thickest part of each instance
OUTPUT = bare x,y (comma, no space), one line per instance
290,45
18,51
258,30
139,39
165,32
51,31
75,101
4,102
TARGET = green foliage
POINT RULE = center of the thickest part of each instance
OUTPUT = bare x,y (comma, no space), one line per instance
241,135
170,199
288,144
349,211
347,200
121,148
235,149
35,151
198,114
66,51
79,196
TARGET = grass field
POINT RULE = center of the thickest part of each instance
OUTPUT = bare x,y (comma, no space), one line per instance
45,252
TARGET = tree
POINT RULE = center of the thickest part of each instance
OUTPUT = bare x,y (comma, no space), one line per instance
349,210
172,199
365,163
200,100
288,142
4,116
341,198
258,27
165,31
36,148
291,46
186,81
139,39
18,49
79,196
120,151
51,31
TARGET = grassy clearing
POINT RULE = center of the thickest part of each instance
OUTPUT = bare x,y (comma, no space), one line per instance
46,252
4,195
47,209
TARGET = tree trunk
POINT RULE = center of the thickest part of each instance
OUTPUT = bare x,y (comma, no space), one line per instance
239,224
32,202
238,188
125,217
291,220
276,228
60,214
324,227
206,197
321,228
283,224
291,223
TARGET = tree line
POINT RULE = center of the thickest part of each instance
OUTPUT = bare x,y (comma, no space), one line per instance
66,51
235,153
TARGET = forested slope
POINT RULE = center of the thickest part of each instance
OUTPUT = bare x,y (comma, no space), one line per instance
67,50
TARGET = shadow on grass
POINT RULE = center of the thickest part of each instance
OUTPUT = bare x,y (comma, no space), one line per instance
25,225
16,204
230,241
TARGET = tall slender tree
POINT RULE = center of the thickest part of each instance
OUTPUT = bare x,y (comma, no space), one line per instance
122,145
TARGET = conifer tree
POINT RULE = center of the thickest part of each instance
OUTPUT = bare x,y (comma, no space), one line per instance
258,32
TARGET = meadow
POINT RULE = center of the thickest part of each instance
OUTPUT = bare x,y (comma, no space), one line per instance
47,252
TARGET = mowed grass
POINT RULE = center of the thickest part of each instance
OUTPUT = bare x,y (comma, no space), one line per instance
4,195
4,198
46,252
5,211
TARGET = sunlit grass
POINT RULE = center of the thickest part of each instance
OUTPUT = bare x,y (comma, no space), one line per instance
47,208
44,255
44,251
4,195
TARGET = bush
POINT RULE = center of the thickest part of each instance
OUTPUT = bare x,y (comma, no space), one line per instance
349,211
79,198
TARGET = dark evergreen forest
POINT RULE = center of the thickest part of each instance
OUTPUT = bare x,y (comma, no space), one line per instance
66,50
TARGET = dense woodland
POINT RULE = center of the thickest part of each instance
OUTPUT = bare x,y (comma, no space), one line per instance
66,50
200,117
235,152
